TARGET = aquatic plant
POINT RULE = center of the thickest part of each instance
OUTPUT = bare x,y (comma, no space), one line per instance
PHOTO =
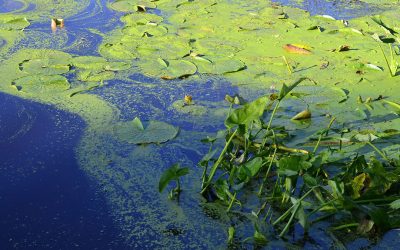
295,185
172,174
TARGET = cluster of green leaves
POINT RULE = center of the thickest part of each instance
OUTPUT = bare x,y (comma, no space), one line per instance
295,185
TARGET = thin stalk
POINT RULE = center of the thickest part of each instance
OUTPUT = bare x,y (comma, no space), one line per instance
345,226
290,220
375,200
287,65
322,134
378,151
269,124
268,170
290,150
204,174
231,203
283,216
216,164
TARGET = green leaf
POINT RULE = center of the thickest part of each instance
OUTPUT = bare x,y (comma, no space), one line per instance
155,132
291,165
395,204
171,174
36,84
45,66
137,123
286,89
394,105
218,66
131,5
305,114
168,69
248,113
250,169
13,23
231,234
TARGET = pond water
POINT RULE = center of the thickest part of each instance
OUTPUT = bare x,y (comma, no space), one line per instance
66,182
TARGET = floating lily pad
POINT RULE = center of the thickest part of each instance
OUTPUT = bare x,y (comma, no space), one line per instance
141,19
93,76
155,132
89,62
99,63
148,30
44,66
218,65
169,69
13,23
131,5
42,84
192,109
117,51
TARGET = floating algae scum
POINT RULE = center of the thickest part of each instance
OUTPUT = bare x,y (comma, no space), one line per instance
127,79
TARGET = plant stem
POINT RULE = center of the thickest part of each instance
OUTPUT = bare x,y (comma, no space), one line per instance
216,164
269,125
287,65
290,219
322,134
345,226
231,203
378,151
283,216
268,170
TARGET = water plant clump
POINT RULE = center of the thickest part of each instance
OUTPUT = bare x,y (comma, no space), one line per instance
279,187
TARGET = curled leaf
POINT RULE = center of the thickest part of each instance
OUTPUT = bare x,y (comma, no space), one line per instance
295,49
305,114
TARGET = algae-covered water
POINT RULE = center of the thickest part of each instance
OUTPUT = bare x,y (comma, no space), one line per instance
75,171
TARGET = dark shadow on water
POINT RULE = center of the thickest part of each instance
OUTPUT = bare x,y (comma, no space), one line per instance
46,202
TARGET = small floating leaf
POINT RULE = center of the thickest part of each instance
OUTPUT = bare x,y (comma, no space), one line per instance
132,5
305,114
373,66
155,132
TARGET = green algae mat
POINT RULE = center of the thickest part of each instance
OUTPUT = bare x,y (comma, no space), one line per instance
152,93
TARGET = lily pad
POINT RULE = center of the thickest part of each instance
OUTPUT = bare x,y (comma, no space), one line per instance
218,65
93,76
141,19
131,5
42,84
155,132
44,66
192,109
169,69
13,23
117,51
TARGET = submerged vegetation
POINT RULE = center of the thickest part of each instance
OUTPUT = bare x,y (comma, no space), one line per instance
324,149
